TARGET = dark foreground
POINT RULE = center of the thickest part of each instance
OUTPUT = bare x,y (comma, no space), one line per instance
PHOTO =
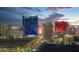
12,43
58,48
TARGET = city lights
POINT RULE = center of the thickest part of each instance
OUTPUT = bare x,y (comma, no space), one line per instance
39,29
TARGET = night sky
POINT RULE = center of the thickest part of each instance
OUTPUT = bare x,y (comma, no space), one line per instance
13,15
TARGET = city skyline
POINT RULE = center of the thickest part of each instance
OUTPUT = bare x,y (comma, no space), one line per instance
13,15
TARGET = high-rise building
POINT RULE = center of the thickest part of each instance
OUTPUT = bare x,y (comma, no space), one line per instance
8,31
47,31
17,31
61,26
40,30
5,30
30,24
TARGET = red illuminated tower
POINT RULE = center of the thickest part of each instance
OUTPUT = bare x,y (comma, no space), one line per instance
60,25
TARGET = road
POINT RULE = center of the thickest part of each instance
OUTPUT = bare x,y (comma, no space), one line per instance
25,45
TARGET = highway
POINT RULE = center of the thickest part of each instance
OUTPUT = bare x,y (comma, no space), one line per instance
24,45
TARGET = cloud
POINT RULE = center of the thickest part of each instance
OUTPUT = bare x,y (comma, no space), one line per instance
52,17
9,18
57,14
57,8
14,15
35,9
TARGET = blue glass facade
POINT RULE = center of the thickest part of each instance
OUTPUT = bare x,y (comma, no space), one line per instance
30,25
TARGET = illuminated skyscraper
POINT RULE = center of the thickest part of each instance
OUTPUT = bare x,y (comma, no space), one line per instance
61,26
30,24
